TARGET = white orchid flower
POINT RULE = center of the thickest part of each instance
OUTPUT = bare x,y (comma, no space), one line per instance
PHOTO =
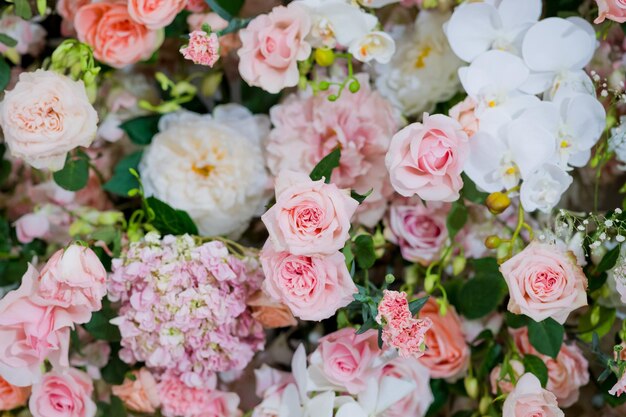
377,397
377,46
542,189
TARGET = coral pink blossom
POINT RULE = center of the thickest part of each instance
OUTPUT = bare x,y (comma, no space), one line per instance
197,6
141,394
408,336
427,159
203,48
393,307
447,355
272,45
611,9
66,394
620,387
115,37
308,127
313,287
463,112
11,396
269,313
529,399
155,14
544,281
309,217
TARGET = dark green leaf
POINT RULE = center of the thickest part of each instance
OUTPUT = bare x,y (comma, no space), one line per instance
256,99
482,294
324,168
179,26
117,407
122,180
364,252
100,327
7,40
470,192
416,305
456,218
171,221
5,73
546,336
369,324
142,129
23,10
605,318
74,174
609,260
226,9
490,360
439,388
114,371
537,367
515,321
360,197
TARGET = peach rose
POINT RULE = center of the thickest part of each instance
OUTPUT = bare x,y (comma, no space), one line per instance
270,313
141,394
463,112
544,281
155,14
313,287
614,10
272,45
66,394
529,399
427,159
447,355
11,396
115,37
309,217
45,116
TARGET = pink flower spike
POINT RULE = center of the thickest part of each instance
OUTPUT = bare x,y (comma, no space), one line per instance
203,48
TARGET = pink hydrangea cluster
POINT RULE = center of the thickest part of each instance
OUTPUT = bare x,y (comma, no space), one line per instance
203,48
401,330
183,307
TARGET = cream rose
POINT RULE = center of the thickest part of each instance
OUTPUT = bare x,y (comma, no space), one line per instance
45,116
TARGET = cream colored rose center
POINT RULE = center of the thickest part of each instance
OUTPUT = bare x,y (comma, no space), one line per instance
42,115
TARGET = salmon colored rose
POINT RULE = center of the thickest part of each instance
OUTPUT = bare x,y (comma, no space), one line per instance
141,394
66,394
155,14
614,10
463,112
270,313
11,396
529,399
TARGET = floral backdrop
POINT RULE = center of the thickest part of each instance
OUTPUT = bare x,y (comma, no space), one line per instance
312,208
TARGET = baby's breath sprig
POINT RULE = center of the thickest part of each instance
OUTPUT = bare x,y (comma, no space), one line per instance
597,228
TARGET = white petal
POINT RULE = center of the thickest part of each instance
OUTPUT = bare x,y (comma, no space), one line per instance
591,33
537,82
351,410
484,158
515,13
391,391
543,114
298,369
472,29
531,146
543,188
499,71
585,119
321,405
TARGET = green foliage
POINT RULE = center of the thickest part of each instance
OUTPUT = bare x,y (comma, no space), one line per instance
122,180
7,40
75,173
23,10
324,168
5,164
546,336
416,305
537,367
226,9
5,73
470,192
13,268
483,293
456,218
609,260
360,197
100,327
142,129
441,393
169,220
364,252
597,319
256,99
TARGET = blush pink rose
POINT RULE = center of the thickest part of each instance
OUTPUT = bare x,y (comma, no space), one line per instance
447,355
313,287
416,404
45,116
345,360
529,399
544,281
272,45
67,9
11,396
420,230
32,226
141,394
614,10
73,279
309,217
30,333
427,159
197,6
66,394
116,39
463,112
30,36
502,383
155,14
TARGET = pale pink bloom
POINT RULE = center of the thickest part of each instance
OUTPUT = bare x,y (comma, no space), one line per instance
270,380
98,24
66,394
272,45
463,112
92,356
203,48
620,387
408,336
197,6
416,404
141,394
611,9
503,384
30,36
67,9
544,281
309,217
32,226
11,396
427,159
155,14
473,328
393,307
313,287
529,399
228,42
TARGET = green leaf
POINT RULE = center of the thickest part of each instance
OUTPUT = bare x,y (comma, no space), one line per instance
364,252
491,359
324,168
609,260
115,371
5,73
604,319
440,391
122,180
546,336
516,321
74,174
456,218
23,10
179,26
470,191
117,408
142,129
360,197
256,99
169,220
7,40
226,9
369,324
483,293
416,305
100,327
537,367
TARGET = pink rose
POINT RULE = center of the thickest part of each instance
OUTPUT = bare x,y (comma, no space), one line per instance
115,37
32,226
66,394
197,6
611,9
447,355
67,9
529,399
45,116
463,112
420,230
501,383
30,333
30,36
427,159
140,395
272,45
313,287
309,217
544,281
11,396
73,279
345,360
421,397
155,14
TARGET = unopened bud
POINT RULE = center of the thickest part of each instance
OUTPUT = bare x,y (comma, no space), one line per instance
324,57
483,405
429,282
471,387
458,265
389,278
493,241
497,202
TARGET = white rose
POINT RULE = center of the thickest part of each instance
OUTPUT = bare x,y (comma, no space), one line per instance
45,116
543,189
211,167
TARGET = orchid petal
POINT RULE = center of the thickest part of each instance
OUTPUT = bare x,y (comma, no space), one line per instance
472,29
